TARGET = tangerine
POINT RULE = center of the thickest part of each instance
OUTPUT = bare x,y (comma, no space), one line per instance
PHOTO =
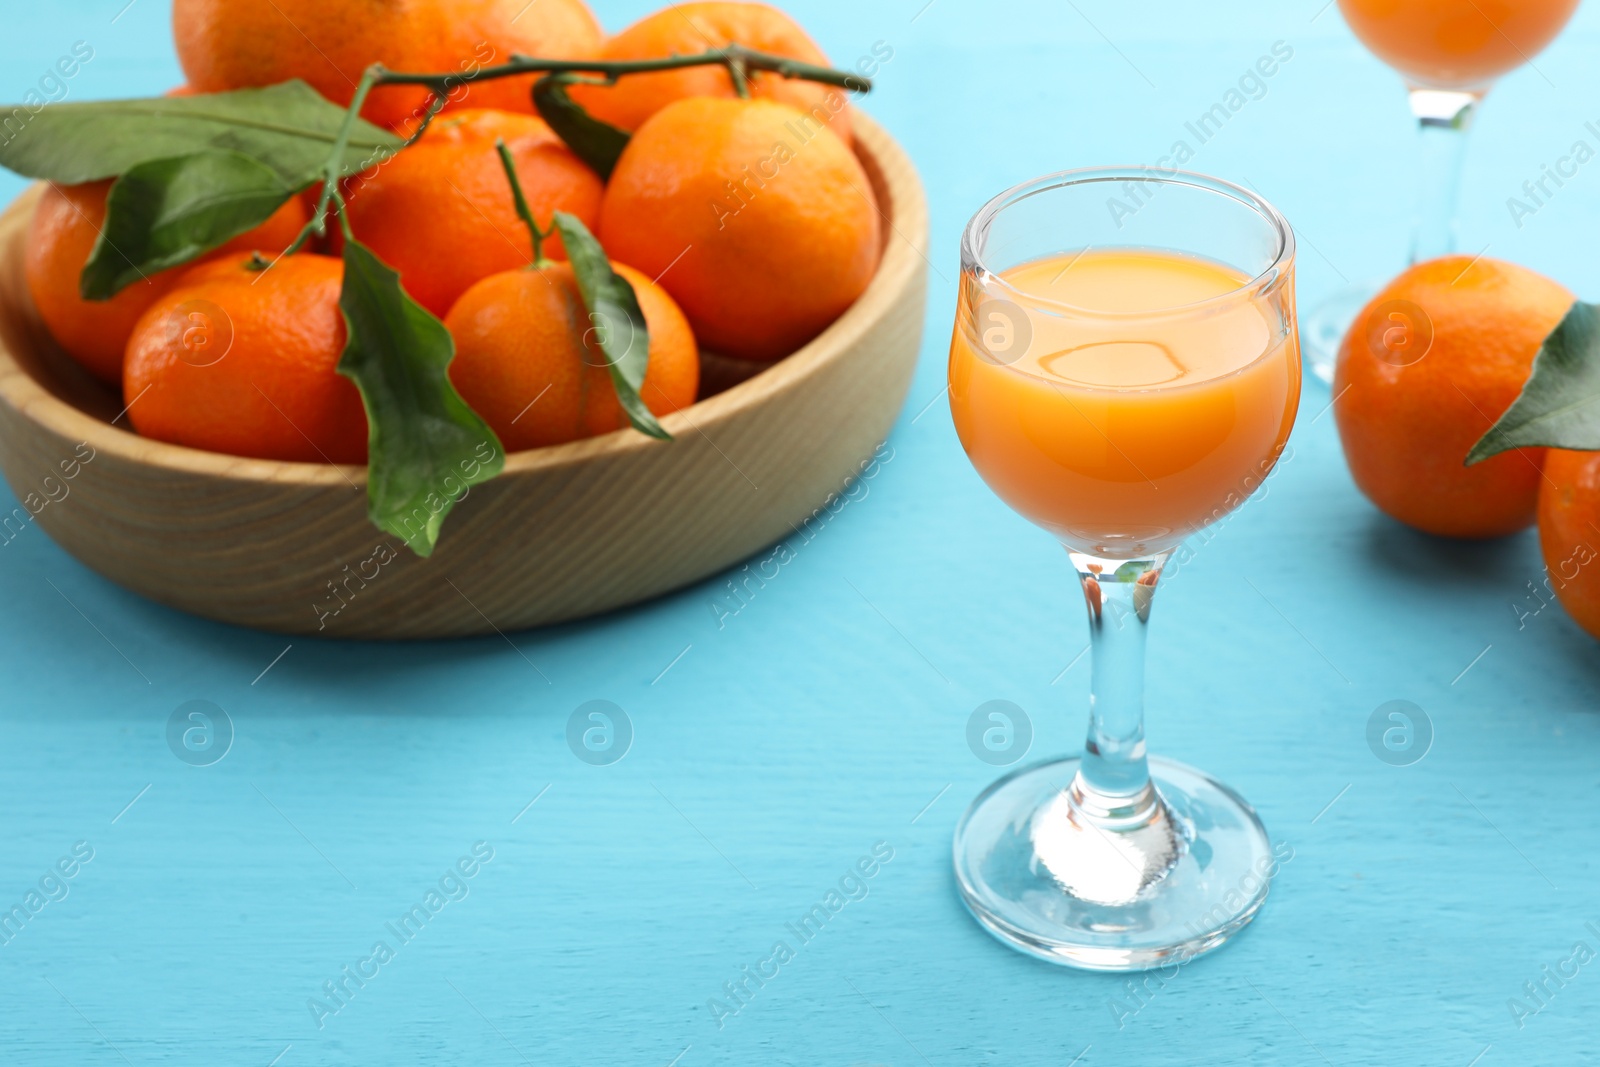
236,44
687,29
528,361
1427,368
241,44
441,214
487,32
758,220
62,236
243,361
1569,532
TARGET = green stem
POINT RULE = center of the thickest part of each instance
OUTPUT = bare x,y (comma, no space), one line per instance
344,218
733,56
318,224
436,104
341,143
525,213
741,77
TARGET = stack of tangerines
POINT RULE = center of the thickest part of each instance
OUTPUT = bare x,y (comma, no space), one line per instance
1424,377
743,221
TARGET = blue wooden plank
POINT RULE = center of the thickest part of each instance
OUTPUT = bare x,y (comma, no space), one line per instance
775,747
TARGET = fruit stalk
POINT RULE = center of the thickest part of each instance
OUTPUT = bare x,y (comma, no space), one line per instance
330,182
540,260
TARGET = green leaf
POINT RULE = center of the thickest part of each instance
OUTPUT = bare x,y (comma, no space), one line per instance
289,127
426,448
1559,406
597,143
168,211
616,319
1132,571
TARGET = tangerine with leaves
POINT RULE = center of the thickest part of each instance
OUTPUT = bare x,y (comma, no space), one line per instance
685,29
61,237
528,362
542,352
756,218
1569,532
1426,369
439,213
239,44
241,360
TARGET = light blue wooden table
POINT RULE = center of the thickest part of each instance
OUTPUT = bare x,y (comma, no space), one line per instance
827,717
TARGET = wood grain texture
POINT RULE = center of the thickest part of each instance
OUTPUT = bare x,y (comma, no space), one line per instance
565,532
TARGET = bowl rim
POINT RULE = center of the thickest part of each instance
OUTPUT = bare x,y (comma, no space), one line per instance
905,210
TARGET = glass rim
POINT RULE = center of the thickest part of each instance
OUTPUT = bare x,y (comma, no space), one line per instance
977,231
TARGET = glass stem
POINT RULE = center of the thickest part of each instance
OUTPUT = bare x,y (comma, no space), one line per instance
1112,787
1443,118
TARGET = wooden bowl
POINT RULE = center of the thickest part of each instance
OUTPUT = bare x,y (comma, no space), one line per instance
564,532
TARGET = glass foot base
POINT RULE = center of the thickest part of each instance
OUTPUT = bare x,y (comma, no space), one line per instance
1322,329
1044,880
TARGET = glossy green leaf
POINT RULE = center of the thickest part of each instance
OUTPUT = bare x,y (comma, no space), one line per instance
597,143
289,127
426,447
1559,406
168,211
616,321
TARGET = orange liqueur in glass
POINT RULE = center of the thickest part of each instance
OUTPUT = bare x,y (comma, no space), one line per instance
1123,427
1456,44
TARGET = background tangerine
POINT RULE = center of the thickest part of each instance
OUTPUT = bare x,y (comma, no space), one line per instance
235,44
688,29
1407,426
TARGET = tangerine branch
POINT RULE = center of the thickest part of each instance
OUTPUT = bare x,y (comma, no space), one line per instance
736,57
739,60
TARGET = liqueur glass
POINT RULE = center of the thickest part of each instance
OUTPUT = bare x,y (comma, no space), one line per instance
1124,371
